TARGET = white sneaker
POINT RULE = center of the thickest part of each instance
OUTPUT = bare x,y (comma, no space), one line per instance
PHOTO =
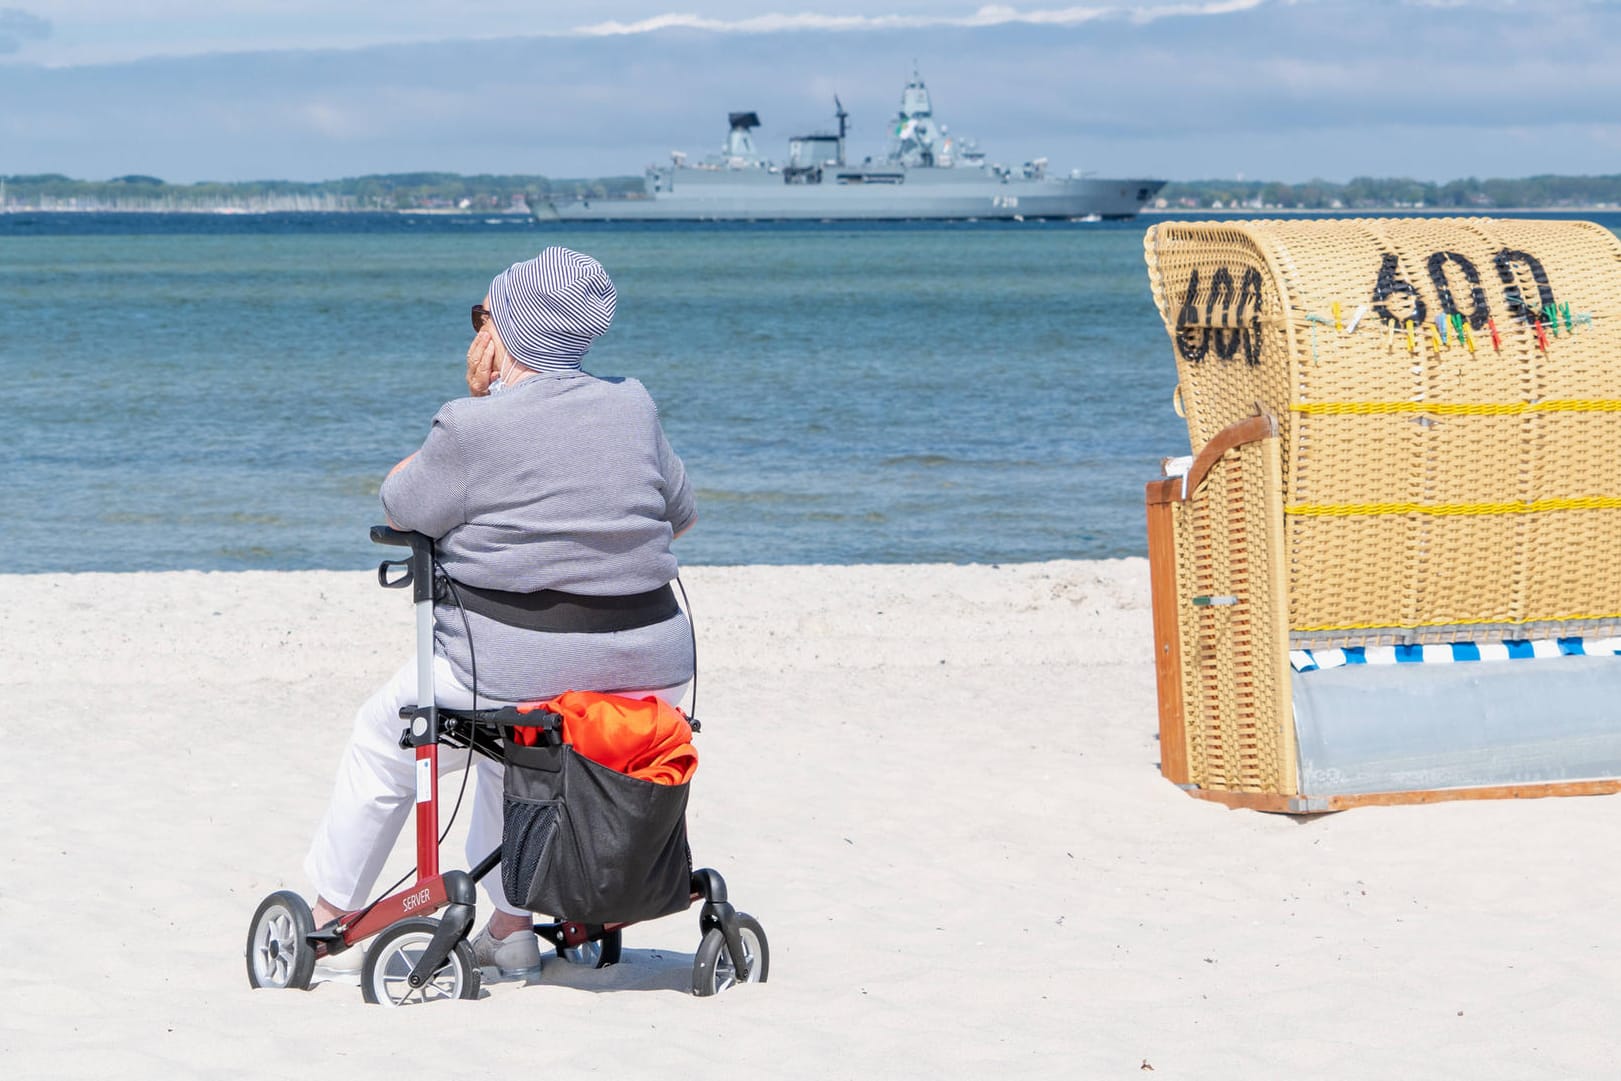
343,967
516,955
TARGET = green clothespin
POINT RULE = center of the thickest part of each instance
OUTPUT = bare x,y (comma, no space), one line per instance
1314,320
1551,317
1457,326
1564,309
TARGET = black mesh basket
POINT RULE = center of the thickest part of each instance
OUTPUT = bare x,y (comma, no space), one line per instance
584,842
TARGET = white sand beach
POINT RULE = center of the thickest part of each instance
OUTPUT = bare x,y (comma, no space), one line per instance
936,787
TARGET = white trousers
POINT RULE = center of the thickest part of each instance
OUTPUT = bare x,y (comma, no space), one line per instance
375,792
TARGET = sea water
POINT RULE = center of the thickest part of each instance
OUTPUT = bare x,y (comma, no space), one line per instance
221,392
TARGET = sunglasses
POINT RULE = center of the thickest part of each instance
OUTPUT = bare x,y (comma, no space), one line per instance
481,315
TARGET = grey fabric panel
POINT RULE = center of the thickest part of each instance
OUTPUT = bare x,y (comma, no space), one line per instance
517,665
565,481
1405,727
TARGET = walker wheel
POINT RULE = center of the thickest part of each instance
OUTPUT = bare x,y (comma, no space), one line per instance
279,953
598,954
712,968
385,977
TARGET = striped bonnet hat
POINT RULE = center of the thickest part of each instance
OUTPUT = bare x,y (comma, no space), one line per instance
547,309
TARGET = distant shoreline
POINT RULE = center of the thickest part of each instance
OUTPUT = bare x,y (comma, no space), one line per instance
460,197
1152,212
1347,212
232,211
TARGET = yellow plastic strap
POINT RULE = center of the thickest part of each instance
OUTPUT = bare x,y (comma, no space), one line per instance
1534,506
1466,409
1500,621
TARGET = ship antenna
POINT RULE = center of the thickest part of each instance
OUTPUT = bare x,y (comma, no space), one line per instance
838,111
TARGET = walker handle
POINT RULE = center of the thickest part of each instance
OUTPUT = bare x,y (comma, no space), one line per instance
420,575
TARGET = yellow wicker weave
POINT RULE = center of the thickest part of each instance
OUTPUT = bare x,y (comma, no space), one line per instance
1234,647
1429,490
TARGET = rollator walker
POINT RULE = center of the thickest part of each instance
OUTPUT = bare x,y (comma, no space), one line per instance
415,957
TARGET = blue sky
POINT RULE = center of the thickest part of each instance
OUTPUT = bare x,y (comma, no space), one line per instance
1285,89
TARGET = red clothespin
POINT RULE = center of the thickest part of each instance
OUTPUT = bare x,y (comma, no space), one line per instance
1497,339
1542,335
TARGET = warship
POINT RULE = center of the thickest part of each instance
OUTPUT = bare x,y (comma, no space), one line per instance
926,173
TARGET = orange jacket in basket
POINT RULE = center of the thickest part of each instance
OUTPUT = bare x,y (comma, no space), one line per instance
645,738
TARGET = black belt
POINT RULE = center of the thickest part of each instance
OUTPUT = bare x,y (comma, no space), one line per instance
557,612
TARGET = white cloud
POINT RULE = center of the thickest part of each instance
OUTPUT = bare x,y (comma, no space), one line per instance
1269,87
987,16
104,31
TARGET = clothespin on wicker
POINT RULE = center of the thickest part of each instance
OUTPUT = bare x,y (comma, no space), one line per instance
1313,319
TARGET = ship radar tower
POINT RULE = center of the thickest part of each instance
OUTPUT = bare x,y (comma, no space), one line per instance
917,141
739,150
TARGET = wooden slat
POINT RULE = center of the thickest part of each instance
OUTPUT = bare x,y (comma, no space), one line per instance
1173,743
1280,804
1507,791
1252,801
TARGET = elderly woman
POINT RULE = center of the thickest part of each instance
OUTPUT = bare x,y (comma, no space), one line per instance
546,478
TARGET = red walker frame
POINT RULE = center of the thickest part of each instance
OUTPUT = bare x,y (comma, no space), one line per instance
281,957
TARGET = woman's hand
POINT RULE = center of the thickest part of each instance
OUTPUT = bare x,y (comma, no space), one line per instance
480,364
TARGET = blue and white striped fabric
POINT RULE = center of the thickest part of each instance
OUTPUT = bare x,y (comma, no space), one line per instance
1310,660
548,309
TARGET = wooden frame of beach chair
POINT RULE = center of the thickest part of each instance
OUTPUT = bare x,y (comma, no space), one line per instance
1358,481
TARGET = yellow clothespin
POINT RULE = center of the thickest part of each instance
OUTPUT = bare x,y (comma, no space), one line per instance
1338,326
1390,334
1468,336
1412,346
1435,338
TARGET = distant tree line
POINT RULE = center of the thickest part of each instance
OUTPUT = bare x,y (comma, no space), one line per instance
394,191
1366,192
491,193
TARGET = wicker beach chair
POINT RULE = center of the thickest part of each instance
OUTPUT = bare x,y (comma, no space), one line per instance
1391,570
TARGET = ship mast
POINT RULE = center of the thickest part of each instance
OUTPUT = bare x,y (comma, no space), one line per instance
838,111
